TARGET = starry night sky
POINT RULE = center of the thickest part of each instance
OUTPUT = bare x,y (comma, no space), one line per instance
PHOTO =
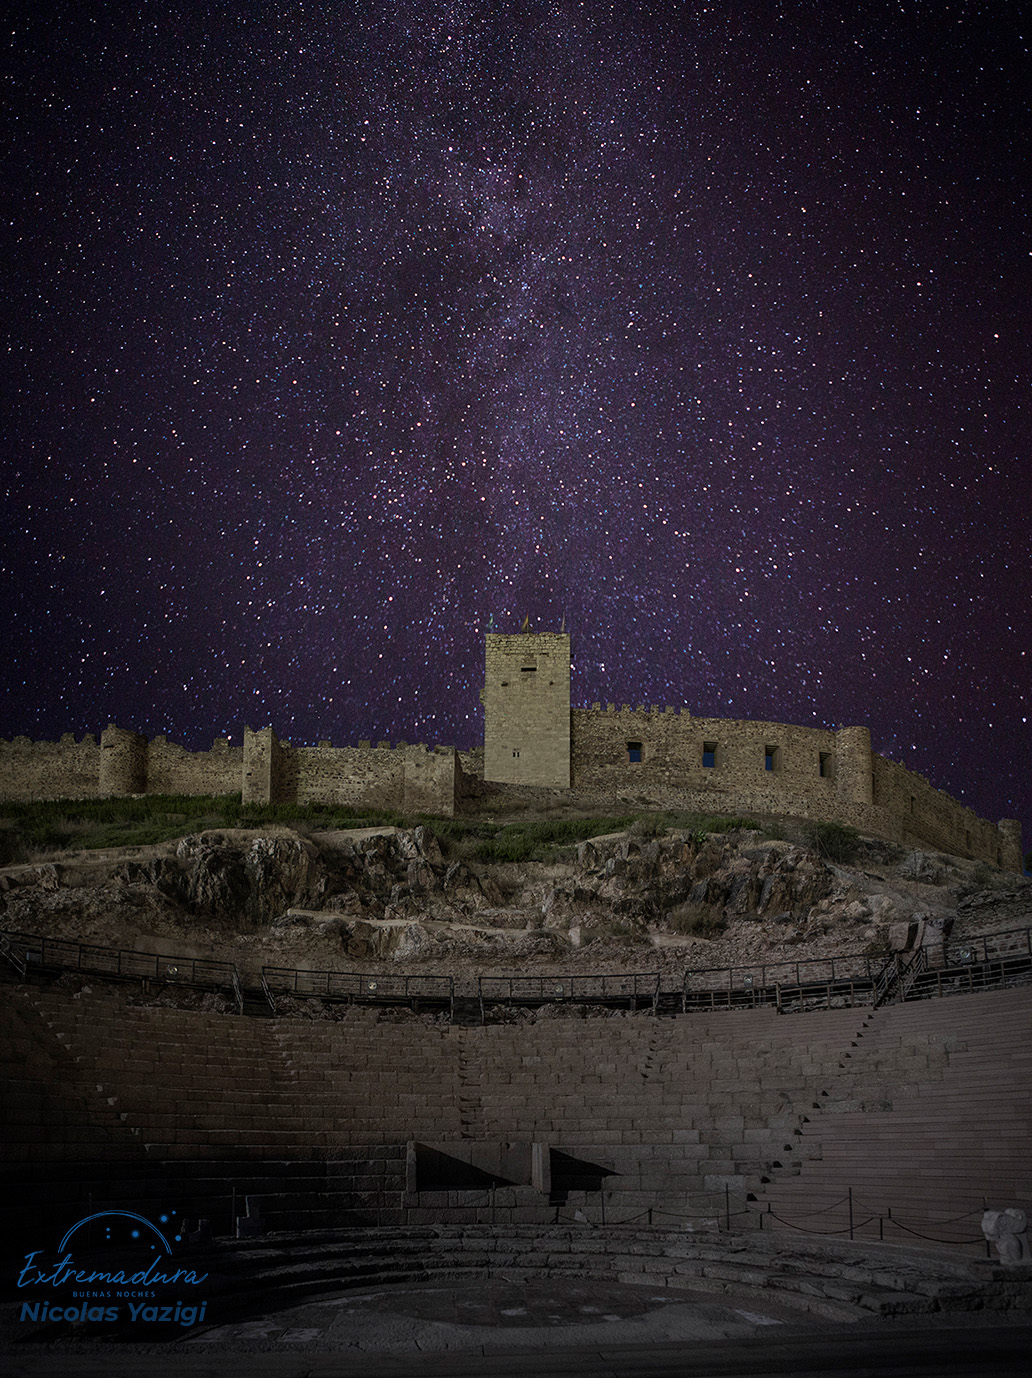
335,329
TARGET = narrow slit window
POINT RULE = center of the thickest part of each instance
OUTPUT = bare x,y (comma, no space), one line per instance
634,751
771,756
824,766
709,755
515,753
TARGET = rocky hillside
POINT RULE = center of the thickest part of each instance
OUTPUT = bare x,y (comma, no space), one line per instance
392,897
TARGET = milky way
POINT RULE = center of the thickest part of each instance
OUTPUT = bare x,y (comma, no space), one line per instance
335,330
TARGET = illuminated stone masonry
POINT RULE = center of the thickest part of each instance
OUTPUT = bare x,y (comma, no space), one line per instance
533,737
415,779
714,765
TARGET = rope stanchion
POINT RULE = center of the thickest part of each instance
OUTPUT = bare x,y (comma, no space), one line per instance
854,1225
802,1229
860,1215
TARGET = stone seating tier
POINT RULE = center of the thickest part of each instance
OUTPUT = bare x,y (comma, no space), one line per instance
937,1142
679,1113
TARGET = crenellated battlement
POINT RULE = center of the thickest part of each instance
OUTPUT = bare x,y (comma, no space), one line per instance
719,765
533,736
264,769
649,710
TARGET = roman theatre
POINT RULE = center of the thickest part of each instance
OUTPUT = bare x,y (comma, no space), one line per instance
825,1118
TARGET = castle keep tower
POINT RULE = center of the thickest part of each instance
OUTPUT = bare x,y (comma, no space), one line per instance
527,709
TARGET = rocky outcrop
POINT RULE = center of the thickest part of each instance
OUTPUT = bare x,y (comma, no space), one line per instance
389,895
646,883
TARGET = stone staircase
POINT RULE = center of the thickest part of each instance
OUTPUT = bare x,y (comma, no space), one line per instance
928,1118
683,1119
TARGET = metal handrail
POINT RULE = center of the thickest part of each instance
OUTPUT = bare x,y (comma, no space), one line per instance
546,989
356,985
811,971
1010,942
33,951
238,994
856,978
16,958
268,994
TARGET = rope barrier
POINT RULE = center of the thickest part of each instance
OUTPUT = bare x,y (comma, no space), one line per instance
846,1229
654,1214
882,1219
934,1239
843,1200
953,1219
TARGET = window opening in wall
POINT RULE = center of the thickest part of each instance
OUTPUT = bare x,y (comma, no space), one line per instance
770,758
528,669
515,754
709,755
912,804
824,766
634,751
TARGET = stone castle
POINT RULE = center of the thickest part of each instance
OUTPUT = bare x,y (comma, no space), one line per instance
533,737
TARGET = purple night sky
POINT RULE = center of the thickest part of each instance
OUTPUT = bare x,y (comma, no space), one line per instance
335,329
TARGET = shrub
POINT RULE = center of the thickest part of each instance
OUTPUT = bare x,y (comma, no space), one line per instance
652,825
615,930
697,920
834,841
980,877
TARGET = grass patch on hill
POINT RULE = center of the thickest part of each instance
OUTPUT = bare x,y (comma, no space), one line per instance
698,824
29,831
545,840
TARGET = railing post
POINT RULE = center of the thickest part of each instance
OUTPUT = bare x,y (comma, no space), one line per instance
727,1206
851,1212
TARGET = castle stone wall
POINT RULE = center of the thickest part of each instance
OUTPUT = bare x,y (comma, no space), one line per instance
714,757
532,737
49,770
347,775
936,819
123,761
264,770
432,778
171,769
724,765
